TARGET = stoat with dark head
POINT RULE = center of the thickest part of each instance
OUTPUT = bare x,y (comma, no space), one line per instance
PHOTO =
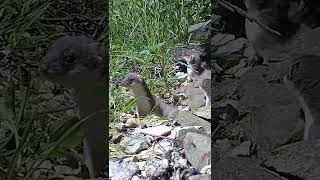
145,101
199,73
79,63
304,80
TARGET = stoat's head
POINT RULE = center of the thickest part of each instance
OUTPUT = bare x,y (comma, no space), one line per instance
132,81
193,59
73,60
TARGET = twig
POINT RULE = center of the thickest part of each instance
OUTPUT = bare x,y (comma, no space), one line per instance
234,8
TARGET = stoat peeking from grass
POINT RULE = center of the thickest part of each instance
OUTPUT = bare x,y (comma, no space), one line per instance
199,73
79,63
146,103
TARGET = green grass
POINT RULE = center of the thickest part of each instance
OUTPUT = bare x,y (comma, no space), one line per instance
29,134
143,35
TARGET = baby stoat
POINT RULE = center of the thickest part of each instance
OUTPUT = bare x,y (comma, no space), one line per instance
146,103
199,73
79,63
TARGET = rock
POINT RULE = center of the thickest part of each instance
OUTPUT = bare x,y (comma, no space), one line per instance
123,117
46,165
119,170
236,168
40,174
273,116
240,69
226,102
136,178
234,69
232,47
124,141
244,149
157,130
163,146
179,132
241,72
178,159
137,143
116,137
195,96
132,123
156,167
120,127
228,113
198,149
300,160
186,118
200,177
221,39
226,89
203,112
182,108
131,159
65,170
224,146
141,164
198,27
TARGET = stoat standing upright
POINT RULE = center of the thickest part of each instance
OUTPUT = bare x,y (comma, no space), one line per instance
79,63
199,73
145,101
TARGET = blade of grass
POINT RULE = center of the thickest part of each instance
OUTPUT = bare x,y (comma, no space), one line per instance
16,156
44,155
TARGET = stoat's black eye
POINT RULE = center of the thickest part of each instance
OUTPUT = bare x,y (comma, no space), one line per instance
68,59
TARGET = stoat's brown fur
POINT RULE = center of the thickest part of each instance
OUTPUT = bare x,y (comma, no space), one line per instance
146,102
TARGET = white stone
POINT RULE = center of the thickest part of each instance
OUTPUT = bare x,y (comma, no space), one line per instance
157,130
